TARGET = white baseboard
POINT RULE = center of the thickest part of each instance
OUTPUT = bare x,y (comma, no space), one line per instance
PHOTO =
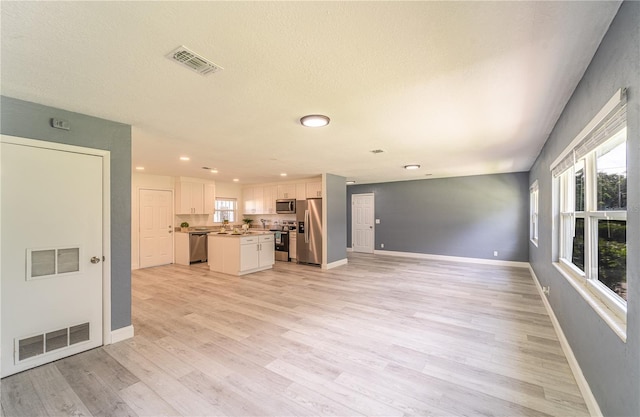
336,264
583,385
121,334
452,258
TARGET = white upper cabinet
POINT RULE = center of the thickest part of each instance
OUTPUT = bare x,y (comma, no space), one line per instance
286,191
194,197
314,189
248,202
262,199
269,196
209,198
189,197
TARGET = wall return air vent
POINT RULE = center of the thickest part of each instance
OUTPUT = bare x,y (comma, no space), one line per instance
193,61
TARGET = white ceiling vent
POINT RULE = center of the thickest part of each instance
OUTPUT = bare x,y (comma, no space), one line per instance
193,61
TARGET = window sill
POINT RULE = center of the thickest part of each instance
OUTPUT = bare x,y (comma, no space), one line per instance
618,325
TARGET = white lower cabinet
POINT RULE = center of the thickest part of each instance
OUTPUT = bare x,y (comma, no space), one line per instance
240,255
293,242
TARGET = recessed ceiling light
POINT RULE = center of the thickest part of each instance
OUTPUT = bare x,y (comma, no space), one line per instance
140,168
350,182
314,120
214,171
236,179
412,166
283,174
184,158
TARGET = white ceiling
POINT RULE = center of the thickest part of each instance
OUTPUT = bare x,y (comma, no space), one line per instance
462,88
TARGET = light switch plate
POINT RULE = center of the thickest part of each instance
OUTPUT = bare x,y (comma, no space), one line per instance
377,221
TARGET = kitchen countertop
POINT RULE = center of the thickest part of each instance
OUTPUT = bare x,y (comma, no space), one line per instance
252,233
214,231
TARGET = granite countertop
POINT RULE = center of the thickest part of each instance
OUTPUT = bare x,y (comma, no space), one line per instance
231,234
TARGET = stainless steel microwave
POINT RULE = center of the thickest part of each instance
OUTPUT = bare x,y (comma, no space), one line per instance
285,206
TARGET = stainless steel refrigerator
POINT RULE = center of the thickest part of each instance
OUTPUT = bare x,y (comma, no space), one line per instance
309,241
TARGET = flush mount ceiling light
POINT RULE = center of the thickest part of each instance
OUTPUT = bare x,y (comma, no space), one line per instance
140,168
350,182
314,120
184,158
412,166
284,174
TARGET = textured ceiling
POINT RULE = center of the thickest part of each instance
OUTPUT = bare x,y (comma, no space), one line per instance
461,88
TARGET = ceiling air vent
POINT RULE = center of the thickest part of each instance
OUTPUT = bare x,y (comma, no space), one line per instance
193,61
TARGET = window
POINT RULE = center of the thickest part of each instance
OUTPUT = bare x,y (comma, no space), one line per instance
225,210
533,211
592,185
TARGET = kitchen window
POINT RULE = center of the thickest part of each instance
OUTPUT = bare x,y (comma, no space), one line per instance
226,209
533,213
591,185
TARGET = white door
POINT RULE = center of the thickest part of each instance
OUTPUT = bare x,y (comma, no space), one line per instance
52,254
362,219
156,228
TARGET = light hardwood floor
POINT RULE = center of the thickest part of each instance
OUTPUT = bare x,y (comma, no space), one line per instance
381,336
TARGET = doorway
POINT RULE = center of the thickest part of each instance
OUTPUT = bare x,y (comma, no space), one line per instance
54,243
156,227
362,221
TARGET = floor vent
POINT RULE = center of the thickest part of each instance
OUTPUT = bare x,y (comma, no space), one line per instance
193,61
40,344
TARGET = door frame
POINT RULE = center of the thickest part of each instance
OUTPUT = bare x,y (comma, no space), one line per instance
173,214
373,213
106,216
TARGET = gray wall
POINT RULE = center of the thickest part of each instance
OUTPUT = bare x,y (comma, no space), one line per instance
336,200
611,366
463,216
32,121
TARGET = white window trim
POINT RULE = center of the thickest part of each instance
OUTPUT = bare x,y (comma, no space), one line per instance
235,210
614,321
534,226
606,304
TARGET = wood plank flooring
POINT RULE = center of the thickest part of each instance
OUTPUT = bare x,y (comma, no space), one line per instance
381,336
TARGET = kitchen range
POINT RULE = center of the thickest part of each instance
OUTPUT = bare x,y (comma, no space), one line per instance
283,234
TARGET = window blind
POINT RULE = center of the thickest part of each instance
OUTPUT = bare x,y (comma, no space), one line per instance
613,122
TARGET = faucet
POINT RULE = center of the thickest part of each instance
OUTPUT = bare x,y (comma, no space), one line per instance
264,223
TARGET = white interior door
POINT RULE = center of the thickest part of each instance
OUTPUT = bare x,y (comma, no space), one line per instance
156,228
362,220
52,253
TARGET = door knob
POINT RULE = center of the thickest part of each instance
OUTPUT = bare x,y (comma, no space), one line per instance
95,260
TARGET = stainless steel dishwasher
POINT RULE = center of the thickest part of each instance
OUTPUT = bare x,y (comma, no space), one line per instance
197,247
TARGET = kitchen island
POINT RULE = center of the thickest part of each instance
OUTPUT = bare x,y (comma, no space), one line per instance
241,254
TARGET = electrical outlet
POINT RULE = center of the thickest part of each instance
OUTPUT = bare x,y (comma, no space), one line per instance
495,253
546,290
382,246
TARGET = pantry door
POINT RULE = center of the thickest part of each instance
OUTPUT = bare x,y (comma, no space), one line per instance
156,228
51,252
